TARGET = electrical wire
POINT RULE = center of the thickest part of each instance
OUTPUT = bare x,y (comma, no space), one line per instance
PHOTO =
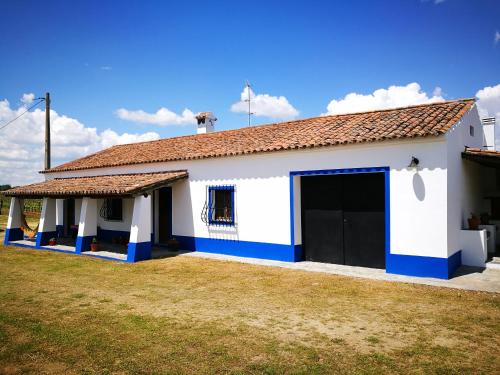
14,119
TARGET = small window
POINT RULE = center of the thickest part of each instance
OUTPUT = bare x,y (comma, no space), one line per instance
471,130
221,203
112,209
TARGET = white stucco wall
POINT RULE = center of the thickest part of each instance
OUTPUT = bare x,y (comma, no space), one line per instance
467,181
418,198
119,225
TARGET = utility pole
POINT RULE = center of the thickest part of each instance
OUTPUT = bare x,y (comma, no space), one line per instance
47,130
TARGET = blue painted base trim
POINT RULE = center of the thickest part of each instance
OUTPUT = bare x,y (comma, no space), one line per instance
412,265
13,234
261,250
298,255
42,238
138,251
83,243
107,235
60,230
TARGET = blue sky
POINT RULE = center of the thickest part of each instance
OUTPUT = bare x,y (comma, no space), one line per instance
98,56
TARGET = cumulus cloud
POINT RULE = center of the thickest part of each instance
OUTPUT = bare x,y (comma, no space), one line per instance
22,142
27,98
276,107
162,117
497,37
394,96
488,103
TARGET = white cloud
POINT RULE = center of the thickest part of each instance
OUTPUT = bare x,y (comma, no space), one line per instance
106,67
28,98
162,117
394,96
497,37
488,103
22,142
276,107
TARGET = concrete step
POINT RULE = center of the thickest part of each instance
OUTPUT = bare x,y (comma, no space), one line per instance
494,263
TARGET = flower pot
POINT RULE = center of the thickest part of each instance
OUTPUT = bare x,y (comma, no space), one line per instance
474,222
94,247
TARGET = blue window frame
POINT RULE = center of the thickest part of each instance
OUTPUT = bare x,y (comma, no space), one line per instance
221,205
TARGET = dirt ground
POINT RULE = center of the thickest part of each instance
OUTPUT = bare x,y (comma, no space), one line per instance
61,313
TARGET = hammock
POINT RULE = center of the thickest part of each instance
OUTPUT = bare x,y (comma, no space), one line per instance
31,233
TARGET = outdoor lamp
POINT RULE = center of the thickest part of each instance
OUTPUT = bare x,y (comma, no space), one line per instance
414,162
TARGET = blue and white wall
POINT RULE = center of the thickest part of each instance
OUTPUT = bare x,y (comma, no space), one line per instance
419,199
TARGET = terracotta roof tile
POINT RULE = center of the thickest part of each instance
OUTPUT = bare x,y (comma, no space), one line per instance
416,121
111,185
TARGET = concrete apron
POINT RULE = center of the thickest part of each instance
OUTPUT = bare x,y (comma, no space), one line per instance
467,278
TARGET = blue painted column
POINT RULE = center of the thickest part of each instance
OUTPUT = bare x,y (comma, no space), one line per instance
87,226
139,247
47,227
13,231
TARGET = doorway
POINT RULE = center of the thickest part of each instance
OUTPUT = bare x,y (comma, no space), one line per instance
69,216
164,215
343,219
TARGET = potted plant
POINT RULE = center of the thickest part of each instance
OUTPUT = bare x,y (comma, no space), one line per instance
52,241
94,246
474,222
173,244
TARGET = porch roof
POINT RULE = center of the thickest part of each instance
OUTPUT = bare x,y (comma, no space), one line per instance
484,157
98,186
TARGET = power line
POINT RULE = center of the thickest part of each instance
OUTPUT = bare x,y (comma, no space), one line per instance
14,119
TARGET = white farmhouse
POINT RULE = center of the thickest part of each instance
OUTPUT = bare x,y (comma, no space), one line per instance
390,189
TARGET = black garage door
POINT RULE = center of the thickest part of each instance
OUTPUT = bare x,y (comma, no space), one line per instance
343,219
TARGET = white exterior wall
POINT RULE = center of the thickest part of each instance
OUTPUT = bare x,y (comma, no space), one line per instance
467,180
418,200
119,225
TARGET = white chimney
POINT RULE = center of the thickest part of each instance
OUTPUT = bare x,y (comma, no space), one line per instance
206,121
489,133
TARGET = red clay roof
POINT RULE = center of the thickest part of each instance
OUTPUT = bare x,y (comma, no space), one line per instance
409,122
98,186
488,158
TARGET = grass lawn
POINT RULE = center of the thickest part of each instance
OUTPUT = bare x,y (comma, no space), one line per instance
68,314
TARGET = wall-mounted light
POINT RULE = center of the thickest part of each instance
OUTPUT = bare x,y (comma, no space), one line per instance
414,162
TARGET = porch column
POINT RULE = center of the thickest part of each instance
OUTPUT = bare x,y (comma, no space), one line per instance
87,226
47,226
13,231
60,217
139,247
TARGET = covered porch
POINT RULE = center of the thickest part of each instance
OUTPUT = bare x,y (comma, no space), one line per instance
118,212
480,237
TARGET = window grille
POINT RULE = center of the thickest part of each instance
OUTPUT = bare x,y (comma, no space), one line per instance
219,205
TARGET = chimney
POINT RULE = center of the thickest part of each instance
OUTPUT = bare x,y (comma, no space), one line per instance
489,133
206,122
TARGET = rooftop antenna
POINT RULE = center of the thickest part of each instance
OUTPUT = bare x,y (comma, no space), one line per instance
250,113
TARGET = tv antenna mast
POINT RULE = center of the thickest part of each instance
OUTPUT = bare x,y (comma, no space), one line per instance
249,101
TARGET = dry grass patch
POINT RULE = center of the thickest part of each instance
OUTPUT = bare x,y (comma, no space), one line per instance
61,313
